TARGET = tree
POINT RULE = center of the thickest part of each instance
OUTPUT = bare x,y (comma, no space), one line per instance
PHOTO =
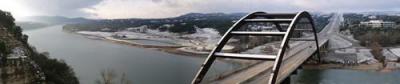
55,71
3,53
3,48
6,19
376,50
110,76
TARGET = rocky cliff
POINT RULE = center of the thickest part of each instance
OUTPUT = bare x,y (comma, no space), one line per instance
20,63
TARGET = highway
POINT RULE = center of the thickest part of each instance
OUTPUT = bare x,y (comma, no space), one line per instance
294,57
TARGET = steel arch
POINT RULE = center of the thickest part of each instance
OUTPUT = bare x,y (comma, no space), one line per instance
284,45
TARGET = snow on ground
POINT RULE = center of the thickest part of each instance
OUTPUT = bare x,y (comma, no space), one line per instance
395,51
211,35
204,38
338,42
350,50
133,35
269,48
17,52
391,54
296,43
350,56
96,33
160,33
342,58
365,56
351,37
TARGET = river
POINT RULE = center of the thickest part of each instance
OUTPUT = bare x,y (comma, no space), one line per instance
344,76
89,57
148,66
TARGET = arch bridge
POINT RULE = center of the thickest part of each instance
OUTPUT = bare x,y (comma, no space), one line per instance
294,33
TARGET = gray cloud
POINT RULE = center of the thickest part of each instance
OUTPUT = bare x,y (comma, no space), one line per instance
69,8
170,8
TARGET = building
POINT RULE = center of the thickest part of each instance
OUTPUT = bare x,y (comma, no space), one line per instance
372,17
378,24
141,29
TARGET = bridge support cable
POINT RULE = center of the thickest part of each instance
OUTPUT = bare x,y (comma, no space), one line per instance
275,18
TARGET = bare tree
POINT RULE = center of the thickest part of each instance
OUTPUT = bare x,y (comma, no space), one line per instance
376,50
124,80
109,77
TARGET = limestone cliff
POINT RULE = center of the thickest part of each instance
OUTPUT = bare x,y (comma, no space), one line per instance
20,63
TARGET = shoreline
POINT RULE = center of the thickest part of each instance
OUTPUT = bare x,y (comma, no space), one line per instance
168,49
174,49
375,66
178,49
378,67
139,44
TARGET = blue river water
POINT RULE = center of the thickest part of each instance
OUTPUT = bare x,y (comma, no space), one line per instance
341,76
146,66
89,57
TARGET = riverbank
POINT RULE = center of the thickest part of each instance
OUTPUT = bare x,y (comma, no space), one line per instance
375,66
362,57
199,43
176,49
89,58
378,67
167,48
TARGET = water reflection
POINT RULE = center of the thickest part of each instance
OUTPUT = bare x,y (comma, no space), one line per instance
144,66
341,76
308,77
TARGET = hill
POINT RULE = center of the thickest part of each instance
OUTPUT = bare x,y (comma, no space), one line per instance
22,64
181,24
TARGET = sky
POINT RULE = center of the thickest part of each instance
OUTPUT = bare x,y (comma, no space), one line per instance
116,9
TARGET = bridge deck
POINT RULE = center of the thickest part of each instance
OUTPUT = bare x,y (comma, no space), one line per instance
259,74
295,57
289,65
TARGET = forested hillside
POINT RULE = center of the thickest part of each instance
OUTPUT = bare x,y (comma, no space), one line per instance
30,67
182,24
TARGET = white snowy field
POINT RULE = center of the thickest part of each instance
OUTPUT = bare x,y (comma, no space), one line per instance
389,56
350,55
95,33
338,42
365,56
203,39
396,51
269,48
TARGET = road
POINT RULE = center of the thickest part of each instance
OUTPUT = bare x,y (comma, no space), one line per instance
259,74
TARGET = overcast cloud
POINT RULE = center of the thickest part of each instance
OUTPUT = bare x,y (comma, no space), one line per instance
111,9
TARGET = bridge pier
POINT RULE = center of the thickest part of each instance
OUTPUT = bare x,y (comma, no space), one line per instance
288,79
323,51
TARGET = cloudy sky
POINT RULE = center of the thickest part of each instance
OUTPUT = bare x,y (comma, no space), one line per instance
111,9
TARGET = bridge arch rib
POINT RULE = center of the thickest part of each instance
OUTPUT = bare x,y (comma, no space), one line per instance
294,30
